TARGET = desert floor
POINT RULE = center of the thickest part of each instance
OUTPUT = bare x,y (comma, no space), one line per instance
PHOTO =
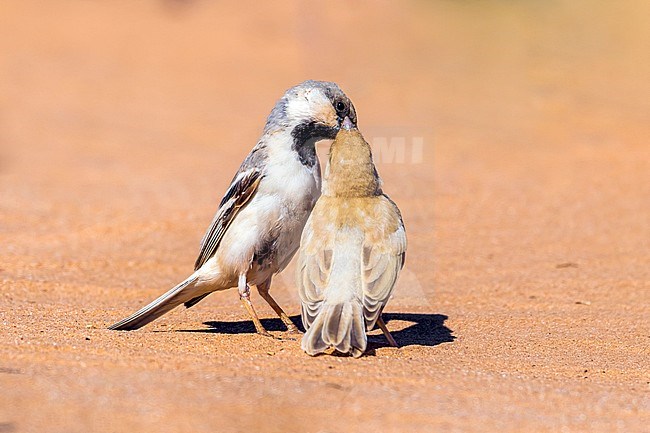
514,136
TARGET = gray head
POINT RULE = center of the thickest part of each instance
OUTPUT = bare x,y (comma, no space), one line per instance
312,110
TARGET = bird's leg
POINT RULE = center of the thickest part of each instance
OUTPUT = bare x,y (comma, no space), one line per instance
263,290
245,297
384,329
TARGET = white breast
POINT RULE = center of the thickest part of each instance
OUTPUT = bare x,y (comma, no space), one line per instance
297,189
282,204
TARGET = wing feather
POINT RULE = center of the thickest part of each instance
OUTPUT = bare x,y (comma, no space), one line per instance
241,190
314,263
381,272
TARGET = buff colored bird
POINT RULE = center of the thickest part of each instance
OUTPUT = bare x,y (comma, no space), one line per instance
351,252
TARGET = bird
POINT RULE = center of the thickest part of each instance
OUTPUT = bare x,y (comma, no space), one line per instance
351,252
256,229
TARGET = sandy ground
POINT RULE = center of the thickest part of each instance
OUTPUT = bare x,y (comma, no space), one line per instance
523,176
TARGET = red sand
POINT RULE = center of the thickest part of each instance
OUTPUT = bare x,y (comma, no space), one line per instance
524,304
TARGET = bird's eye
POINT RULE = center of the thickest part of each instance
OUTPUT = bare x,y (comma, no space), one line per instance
340,106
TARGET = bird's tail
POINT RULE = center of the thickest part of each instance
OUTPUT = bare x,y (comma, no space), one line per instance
338,325
165,303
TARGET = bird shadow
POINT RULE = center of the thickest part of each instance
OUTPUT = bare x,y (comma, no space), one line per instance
424,329
245,326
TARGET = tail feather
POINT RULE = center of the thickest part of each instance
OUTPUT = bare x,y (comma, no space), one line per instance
340,326
165,303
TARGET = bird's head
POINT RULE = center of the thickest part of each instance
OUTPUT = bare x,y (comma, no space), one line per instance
311,111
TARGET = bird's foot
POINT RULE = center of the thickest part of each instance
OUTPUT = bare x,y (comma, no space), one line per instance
293,329
384,329
264,333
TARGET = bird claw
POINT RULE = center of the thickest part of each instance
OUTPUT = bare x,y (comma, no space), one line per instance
293,329
286,339
265,333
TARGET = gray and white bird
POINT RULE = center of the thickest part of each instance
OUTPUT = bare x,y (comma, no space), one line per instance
256,230
351,252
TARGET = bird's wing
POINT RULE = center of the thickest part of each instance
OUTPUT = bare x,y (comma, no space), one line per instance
384,252
314,265
240,192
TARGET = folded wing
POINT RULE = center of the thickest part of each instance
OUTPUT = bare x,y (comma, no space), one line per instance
240,192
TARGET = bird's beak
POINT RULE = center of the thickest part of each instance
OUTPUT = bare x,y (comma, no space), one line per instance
347,124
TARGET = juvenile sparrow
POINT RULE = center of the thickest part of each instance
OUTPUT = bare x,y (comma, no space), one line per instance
256,230
351,252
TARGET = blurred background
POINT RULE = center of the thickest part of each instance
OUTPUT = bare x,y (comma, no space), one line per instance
514,136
